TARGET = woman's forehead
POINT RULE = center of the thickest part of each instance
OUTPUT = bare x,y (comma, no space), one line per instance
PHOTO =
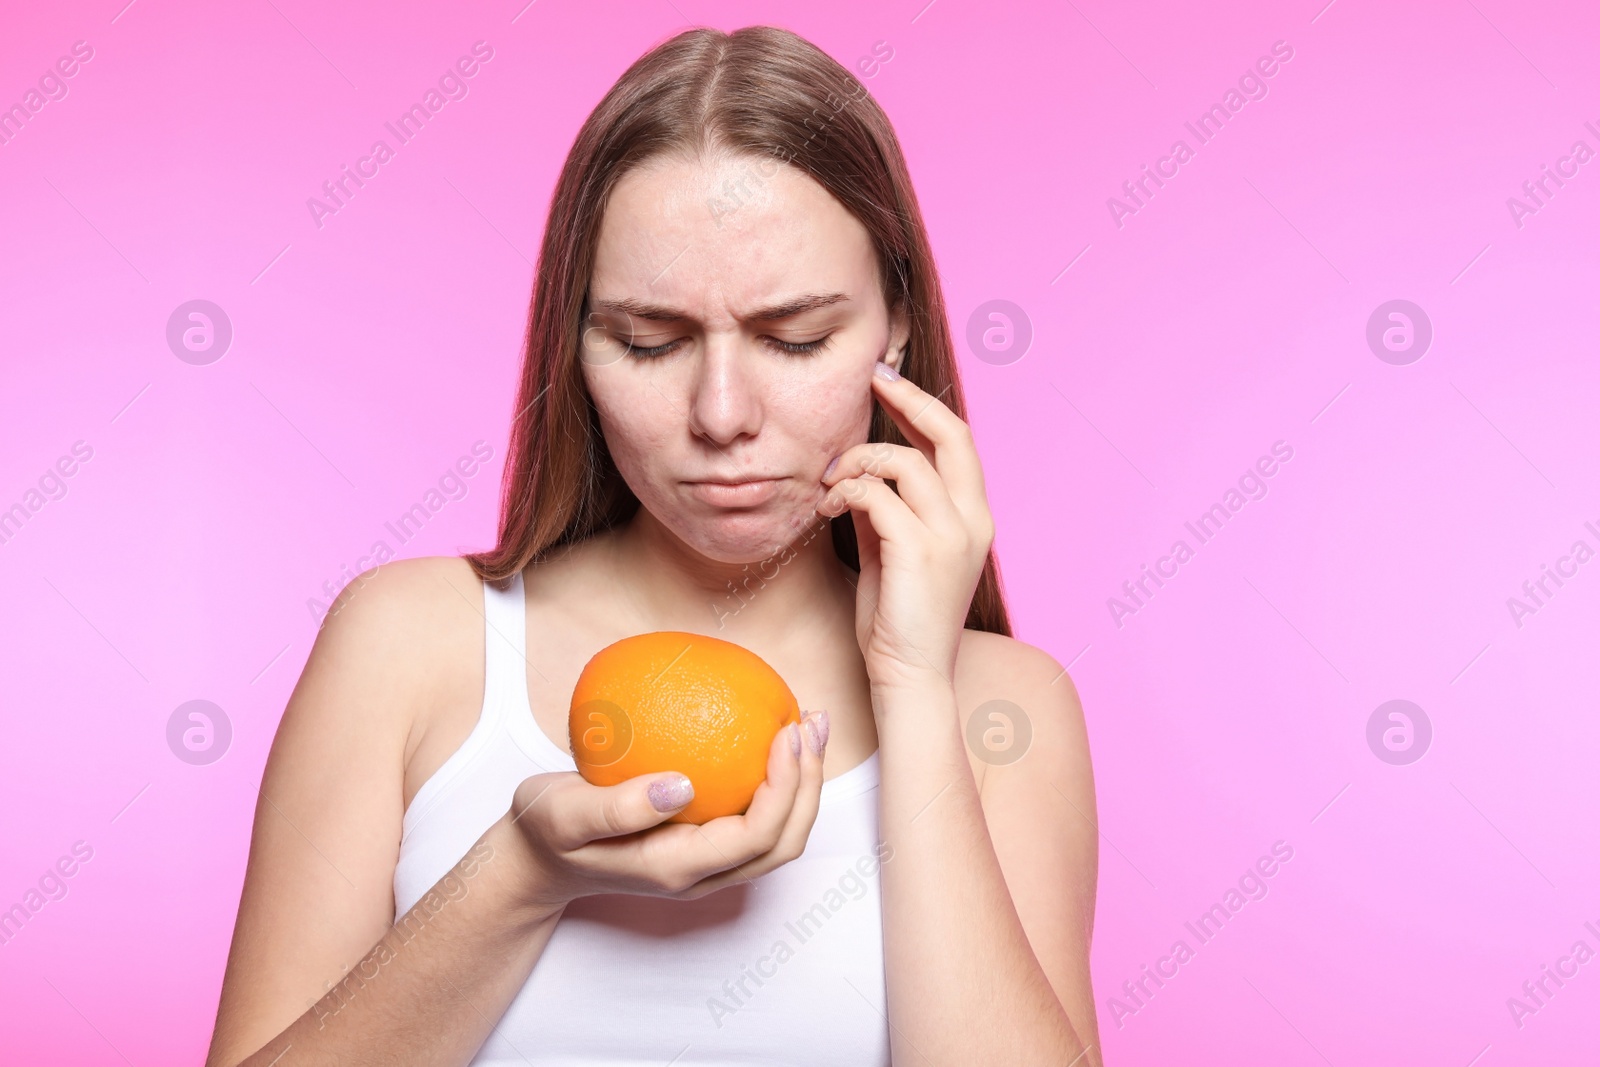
728,231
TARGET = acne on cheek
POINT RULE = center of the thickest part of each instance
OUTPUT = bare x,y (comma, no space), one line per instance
631,440
820,419
840,418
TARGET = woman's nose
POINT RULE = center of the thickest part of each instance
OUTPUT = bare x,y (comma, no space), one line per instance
725,402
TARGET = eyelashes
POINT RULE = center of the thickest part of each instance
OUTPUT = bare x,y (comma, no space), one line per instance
804,348
647,353
793,348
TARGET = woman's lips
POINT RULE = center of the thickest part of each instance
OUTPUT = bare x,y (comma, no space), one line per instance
735,494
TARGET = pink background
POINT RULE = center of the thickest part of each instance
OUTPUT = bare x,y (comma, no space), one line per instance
1228,313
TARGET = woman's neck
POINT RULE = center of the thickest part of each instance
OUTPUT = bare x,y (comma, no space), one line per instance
674,587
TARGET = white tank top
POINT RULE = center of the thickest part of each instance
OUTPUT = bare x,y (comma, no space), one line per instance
784,969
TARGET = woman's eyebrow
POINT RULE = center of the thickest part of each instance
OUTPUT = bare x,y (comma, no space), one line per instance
798,306
642,309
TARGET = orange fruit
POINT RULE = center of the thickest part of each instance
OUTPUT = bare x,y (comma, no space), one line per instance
672,701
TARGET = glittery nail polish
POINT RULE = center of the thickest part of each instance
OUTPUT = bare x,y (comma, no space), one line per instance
669,794
817,731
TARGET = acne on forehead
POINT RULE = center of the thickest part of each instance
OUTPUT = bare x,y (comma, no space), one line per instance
727,229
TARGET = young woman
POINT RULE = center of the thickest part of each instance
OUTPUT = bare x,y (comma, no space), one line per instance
739,416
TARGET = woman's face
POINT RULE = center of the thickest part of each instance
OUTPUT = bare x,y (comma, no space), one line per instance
735,313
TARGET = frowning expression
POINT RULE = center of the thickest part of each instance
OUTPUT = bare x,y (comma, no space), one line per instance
733,317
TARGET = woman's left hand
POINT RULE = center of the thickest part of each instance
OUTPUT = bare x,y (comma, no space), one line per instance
922,544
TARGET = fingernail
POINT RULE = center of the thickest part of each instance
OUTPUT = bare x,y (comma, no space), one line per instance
669,794
817,731
794,739
886,372
832,463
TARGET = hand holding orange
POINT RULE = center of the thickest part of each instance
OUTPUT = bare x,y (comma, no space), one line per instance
674,701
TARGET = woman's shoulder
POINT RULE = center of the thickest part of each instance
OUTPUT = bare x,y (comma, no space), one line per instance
991,661
416,624
991,667
1016,701
401,599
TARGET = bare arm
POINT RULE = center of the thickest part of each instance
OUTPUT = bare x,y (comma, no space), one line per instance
1006,878
436,984
1041,815
988,895
318,901
320,972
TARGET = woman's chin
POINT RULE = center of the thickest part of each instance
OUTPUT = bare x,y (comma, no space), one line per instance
749,536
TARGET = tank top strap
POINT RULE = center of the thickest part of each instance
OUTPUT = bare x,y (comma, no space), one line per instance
505,620
505,681
504,692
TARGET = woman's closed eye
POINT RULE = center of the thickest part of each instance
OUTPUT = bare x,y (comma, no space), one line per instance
794,348
640,352
801,348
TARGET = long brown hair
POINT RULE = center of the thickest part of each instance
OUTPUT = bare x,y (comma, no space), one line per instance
760,91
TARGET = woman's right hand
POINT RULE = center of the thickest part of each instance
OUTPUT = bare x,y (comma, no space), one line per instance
583,839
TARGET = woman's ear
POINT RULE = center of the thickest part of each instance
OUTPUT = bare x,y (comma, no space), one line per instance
899,336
